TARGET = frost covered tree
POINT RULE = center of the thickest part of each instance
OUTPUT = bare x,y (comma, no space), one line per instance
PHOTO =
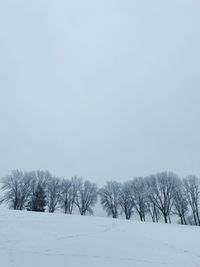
76,182
139,192
70,193
126,200
86,197
16,189
66,199
192,191
160,192
110,198
53,193
153,211
180,202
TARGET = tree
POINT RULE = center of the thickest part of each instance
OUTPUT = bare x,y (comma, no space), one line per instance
16,188
160,192
126,199
110,198
39,179
139,192
153,211
192,191
86,197
53,193
180,203
66,199
38,202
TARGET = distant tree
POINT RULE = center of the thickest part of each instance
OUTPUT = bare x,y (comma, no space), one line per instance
53,193
16,188
76,182
110,198
180,203
153,211
66,196
160,192
38,202
126,199
139,191
39,180
191,186
86,197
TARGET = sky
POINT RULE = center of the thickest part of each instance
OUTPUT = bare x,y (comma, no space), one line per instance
100,89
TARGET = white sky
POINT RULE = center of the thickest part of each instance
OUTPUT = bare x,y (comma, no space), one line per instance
100,89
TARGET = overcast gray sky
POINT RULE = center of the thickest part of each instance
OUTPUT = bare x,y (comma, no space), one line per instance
101,89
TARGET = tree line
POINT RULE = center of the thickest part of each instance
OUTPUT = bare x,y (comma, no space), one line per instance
158,196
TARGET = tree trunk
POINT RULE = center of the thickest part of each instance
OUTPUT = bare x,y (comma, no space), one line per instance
181,219
195,220
165,218
156,216
184,220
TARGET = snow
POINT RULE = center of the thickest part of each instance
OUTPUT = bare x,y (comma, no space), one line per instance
29,239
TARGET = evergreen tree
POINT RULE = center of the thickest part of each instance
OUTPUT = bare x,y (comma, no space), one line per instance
38,201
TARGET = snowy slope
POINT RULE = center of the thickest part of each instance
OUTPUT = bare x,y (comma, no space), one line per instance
29,239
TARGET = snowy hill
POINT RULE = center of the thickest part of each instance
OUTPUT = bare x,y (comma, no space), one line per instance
29,239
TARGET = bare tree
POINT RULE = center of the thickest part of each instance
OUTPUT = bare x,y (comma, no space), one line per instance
76,181
139,192
25,189
16,188
153,211
69,193
110,198
160,192
86,197
180,203
42,177
53,193
126,200
66,196
192,190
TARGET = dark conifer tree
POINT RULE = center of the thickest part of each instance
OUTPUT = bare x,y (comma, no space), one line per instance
38,201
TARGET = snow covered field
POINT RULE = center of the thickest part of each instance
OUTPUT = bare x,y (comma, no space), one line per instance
29,239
